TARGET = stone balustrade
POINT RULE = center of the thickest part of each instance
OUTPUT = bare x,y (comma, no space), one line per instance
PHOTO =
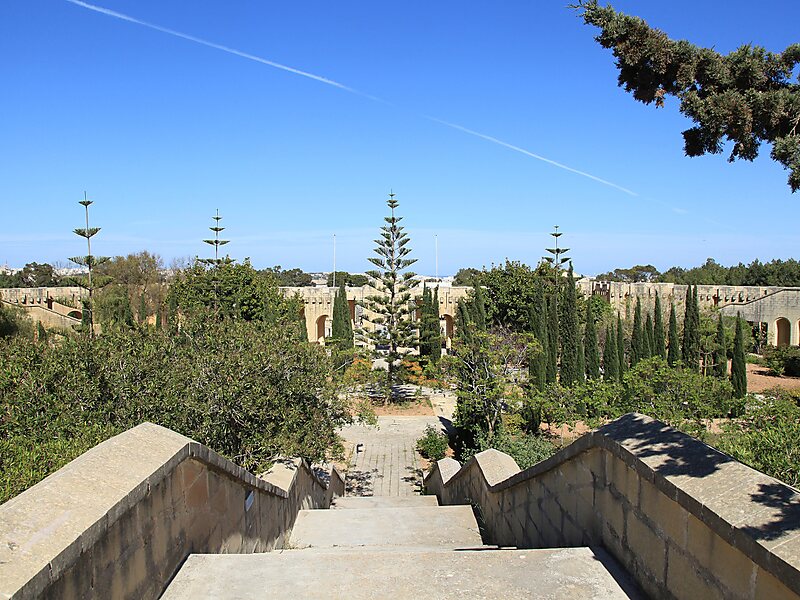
685,520
118,521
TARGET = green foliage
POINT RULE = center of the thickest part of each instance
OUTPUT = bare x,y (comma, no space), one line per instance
690,350
349,279
746,97
342,329
527,450
568,328
659,342
510,290
293,277
738,365
433,444
14,322
610,356
113,307
32,274
636,274
622,361
591,352
247,390
430,331
538,353
767,437
389,311
551,367
637,339
674,349
649,337
783,360
720,350
467,277
233,291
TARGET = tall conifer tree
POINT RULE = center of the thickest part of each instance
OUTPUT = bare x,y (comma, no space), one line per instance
622,362
649,341
637,337
691,331
389,311
610,356
569,333
720,351
659,343
674,349
342,330
592,354
479,307
552,337
537,362
580,372
738,364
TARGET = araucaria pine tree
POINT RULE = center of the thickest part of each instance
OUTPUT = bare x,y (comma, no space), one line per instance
622,362
659,343
592,354
569,333
691,331
610,356
674,348
389,311
738,365
637,337
720,351
90,261
342,329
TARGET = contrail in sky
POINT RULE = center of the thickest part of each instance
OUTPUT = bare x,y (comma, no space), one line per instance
117,15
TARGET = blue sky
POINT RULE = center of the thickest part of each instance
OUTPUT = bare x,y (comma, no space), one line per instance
161,131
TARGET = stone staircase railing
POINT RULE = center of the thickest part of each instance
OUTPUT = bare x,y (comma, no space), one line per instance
684,519
118,521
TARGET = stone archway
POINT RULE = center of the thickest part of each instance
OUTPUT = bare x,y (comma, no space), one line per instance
322,329
783,332
448,329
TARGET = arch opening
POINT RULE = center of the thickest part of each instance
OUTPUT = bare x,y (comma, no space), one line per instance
783,331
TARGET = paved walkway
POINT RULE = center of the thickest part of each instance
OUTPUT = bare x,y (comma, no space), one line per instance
387,463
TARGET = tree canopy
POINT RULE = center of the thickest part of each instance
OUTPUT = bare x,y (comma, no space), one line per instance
745,98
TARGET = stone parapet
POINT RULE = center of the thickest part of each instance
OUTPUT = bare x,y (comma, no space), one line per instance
686,520
119,520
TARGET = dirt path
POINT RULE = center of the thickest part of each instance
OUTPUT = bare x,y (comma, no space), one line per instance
759,379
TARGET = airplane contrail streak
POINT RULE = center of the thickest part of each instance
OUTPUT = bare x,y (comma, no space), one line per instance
118,15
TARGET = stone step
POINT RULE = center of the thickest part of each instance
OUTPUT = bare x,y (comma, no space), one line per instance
437,526
383,501
356,574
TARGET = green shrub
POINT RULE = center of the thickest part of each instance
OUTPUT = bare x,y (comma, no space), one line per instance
526,450
433,444
784,360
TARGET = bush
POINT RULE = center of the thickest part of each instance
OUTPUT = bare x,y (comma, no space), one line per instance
784,360
246,390
433,444
526,450
767,437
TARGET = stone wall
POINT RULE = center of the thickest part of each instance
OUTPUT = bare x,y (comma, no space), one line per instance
685,520
119,520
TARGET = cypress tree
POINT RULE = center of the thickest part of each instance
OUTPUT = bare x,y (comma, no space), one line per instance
622,362
691,331
649,341
659,344
720,351
610,356
637,339
580,372
479,307
464,324
537,363
592,354
674,351
552,337
738,365
569,333
142,308
342,329
436,328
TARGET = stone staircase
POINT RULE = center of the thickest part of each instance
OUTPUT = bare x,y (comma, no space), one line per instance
398,547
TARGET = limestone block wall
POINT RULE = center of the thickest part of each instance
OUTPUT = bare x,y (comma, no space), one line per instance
685,520
119,520
50,319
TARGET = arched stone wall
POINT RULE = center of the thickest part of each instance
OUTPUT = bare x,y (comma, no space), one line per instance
322,328
783,331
